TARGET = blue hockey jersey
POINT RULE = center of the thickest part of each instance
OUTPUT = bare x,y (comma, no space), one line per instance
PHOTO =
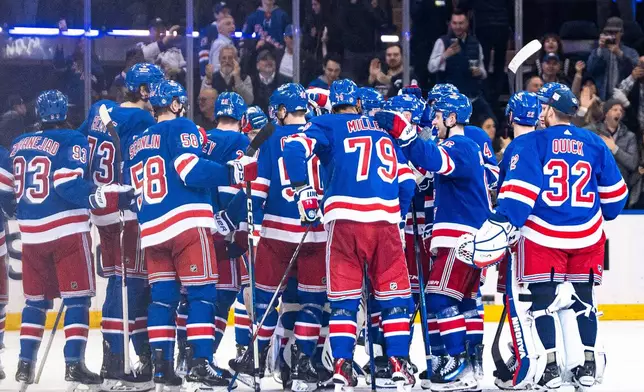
172,180
221,147
52,195
489,159
6,194
461,203
367,178
560,184
272,192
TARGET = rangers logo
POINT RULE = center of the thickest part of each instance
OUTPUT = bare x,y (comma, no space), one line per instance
393,286
193,268
513,161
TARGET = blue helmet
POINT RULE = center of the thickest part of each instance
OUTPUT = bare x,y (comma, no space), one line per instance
456,103
440,90
290,95
525,108
343,92
370,99
406,103
231,105
545,92
428,116
564,100
143,73
51,106
164,93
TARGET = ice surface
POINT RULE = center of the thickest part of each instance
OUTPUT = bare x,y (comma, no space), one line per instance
624,341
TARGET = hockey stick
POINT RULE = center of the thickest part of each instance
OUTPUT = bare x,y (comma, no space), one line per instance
421,293
109,124
372,361
51,340
519,58
272,301
502,372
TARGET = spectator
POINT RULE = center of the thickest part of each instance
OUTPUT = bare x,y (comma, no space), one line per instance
630,92
533,84
457,58
619,140
286,62
332,69
429,21
12,122
161,50
229,77
360,21
206,116
268,22
611,61
225,29
208,36
319,35
590,106
389,82
626,10
551,43
267,79
117,89
499,144
551,69
636,183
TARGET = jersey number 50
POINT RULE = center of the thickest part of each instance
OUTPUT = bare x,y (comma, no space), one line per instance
149,181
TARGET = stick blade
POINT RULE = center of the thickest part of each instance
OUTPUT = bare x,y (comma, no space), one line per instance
104,114
522,55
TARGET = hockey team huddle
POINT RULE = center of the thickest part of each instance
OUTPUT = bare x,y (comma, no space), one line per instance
338,218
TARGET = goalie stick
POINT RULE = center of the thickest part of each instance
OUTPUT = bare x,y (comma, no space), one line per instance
519,58
109,124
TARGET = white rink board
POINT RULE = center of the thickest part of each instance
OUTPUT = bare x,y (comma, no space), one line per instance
623,340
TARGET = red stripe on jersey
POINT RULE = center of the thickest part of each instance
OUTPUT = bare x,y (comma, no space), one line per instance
241,321
565,234
449,325
398,326
361,207
404,170
59,176
201,330
220,324
342,328
265,333
306,330
161,333
290,228
171,221
520,190
6,180
185,163
616,193
54,224
140,324
474,325
432,326
76,331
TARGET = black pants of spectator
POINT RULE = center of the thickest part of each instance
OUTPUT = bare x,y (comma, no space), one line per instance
626,11
481,109
494,37
355,66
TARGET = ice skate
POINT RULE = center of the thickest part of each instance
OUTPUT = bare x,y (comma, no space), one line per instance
343,376
401,374
25,374
584,376
204,376
165,379
303,375
551,378
80,378
437,362
245,367
511,364
383,373
111,369
325,377
454,375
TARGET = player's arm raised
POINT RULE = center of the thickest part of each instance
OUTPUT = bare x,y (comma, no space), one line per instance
613,192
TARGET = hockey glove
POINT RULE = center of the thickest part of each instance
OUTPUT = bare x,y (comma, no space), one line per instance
307,203
254,118
397,126
488,246
424,178
112,196
414,90
320,99
223,224
243,169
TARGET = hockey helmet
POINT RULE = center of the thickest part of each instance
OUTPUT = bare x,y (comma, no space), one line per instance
456,103
525,108
230,104
545,92
440,90
51,106
564,100
370,99
165,92
290,95
143,74
406,103
344,92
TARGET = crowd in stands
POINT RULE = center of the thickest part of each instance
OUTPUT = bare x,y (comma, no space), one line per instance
463,42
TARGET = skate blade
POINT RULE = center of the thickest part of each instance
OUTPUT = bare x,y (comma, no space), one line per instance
197,387
402,387
246,379
23,386
302,386
78,387
167,388
343,388
124,386
455,386
425,384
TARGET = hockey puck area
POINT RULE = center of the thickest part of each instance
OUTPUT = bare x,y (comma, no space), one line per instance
623,341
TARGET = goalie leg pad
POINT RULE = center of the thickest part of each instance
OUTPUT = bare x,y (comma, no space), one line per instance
451,322
395,326
343,328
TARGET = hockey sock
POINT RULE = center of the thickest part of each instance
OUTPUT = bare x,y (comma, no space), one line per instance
3,319
395,326
343,328
309,320
543,294
111,321
436,342
324,333
225,299
265,334
138,298
375,330
451,322
76,328
33,325
201,314
161,317
584,308
182,317
473,321
242,321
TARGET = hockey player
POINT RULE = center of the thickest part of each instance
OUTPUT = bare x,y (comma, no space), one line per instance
461,202
562,183
131,118
172,183
7,203
53,201
366,197
371,100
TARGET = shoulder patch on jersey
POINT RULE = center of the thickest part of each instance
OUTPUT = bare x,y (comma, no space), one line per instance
447,143
513,161
307,126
